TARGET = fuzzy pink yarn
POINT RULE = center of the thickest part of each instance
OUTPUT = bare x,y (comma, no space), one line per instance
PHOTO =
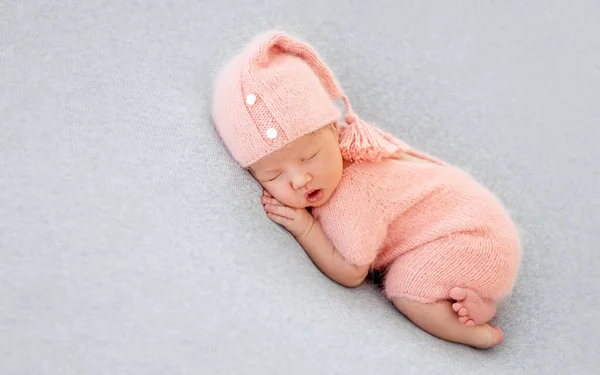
429,226
278,90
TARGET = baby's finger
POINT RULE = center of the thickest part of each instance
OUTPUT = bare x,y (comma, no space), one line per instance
280,210
267,194
273,201
279,219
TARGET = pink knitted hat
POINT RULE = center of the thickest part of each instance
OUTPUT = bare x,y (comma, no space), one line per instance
278,90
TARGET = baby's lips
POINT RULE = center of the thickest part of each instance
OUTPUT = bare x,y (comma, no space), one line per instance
307,193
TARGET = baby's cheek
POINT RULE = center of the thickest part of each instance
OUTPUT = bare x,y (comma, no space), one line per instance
286,197
327,177
277,191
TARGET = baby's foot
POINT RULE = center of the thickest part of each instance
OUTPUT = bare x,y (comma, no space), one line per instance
471,308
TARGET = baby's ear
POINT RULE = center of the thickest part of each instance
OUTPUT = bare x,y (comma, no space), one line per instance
335,128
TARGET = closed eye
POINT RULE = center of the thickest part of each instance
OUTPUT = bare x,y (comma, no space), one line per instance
315,154
272,179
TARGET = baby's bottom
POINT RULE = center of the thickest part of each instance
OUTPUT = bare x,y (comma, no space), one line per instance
439,319
449,287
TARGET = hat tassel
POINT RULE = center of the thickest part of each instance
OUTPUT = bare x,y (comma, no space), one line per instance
363,142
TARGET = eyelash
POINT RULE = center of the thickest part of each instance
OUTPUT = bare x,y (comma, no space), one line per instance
274,178
313,155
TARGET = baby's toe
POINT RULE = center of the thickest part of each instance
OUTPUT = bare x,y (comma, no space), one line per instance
463,319
457,306
458,294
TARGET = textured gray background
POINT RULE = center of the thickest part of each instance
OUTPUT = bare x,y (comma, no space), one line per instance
130,243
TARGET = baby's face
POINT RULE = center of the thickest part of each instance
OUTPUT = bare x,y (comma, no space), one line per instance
304,173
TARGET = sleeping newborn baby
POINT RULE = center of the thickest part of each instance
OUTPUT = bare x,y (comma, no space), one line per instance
358,199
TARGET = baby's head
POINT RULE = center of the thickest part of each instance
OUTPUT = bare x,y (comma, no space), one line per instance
273,107
304,173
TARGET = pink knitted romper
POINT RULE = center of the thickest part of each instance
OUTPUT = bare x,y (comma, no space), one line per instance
429,226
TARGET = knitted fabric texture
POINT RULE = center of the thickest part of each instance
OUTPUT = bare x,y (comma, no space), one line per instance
429,226
278,90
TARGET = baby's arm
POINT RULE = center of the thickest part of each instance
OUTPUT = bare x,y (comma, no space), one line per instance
309,233
328,259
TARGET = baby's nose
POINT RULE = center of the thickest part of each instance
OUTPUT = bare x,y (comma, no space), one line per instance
301,179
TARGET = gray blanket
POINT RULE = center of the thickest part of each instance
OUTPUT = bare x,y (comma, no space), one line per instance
131,243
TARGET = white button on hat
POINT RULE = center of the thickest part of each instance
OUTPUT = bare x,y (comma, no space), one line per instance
271,133
250,99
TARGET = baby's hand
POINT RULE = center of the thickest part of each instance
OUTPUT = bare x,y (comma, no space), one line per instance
297,221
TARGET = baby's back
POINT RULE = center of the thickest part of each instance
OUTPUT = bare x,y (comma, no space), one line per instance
418,202
430,201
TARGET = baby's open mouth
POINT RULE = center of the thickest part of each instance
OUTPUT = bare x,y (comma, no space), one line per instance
314,195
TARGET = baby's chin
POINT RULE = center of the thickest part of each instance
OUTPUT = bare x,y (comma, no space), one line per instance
318,204
296,205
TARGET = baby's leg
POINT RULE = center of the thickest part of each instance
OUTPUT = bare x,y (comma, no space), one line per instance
439,320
